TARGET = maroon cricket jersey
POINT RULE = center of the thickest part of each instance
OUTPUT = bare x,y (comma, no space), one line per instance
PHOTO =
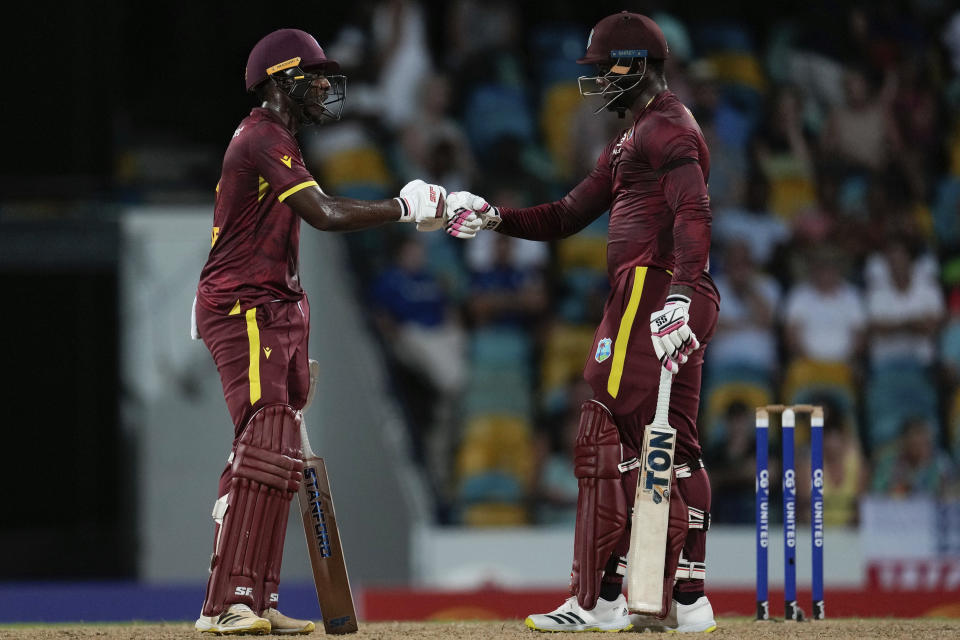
255,243
653,179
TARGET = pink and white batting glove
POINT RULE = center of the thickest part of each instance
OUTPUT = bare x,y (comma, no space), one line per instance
424,204
673,340
468,214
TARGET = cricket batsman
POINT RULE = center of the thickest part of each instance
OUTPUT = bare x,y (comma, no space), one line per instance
253,316
653,180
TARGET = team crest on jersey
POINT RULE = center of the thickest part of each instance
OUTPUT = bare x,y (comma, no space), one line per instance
603,350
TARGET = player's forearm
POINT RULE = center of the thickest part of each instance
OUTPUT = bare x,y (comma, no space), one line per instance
346,214
329,213
585,203
542,222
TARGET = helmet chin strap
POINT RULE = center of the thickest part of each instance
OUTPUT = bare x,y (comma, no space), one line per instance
621,110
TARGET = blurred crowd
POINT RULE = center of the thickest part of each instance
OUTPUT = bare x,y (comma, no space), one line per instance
835,189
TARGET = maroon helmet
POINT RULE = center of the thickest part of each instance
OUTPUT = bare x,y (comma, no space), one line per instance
614,45
285,49
295,61
625,35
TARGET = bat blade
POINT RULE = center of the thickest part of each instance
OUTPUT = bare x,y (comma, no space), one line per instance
326,553
646,558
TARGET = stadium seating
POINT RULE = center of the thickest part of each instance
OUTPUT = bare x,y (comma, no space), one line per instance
495,111
494,470
893,394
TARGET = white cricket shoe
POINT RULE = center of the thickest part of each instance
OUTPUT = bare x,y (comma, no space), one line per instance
682,618
238,620
606,616
696,617
643,622
285,625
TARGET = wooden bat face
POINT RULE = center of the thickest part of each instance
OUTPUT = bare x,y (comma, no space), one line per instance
326,553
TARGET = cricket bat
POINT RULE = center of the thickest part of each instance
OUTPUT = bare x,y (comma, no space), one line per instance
323,536
651,509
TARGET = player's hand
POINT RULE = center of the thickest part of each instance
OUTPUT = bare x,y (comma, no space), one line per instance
468,214
424,204
673,340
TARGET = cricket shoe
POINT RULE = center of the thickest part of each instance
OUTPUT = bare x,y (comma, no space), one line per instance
285,625
653,624
238,620
682,618
605,616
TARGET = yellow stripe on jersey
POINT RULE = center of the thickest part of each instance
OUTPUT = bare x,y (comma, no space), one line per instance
214,234
300,187
253,335
235,311
262,187
623,333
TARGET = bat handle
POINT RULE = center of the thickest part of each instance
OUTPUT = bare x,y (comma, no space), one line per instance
304,439
660,418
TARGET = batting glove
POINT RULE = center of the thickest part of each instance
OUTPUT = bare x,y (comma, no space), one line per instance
468,214
424,204
673,340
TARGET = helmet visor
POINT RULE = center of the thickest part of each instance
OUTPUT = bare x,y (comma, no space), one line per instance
612,81
320,96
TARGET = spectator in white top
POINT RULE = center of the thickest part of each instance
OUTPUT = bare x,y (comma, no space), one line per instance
745,332
753,224
825,317
905,308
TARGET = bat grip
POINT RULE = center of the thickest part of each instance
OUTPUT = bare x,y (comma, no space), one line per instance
660,418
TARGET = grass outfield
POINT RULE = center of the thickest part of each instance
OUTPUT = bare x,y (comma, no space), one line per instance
510,629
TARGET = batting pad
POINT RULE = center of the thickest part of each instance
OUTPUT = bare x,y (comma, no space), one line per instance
601,503
265,473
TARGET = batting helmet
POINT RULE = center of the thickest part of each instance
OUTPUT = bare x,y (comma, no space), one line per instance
284,49
624,35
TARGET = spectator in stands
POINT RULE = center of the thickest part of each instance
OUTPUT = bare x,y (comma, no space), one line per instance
726,130
917,115
913,465
746,335
434,144
905,308
753,224
846,476
730,458
782,155
417,322
504,294
824,315
861,132
400,41
556,489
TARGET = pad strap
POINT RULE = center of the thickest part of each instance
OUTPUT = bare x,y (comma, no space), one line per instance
698,519
687,570
686,469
